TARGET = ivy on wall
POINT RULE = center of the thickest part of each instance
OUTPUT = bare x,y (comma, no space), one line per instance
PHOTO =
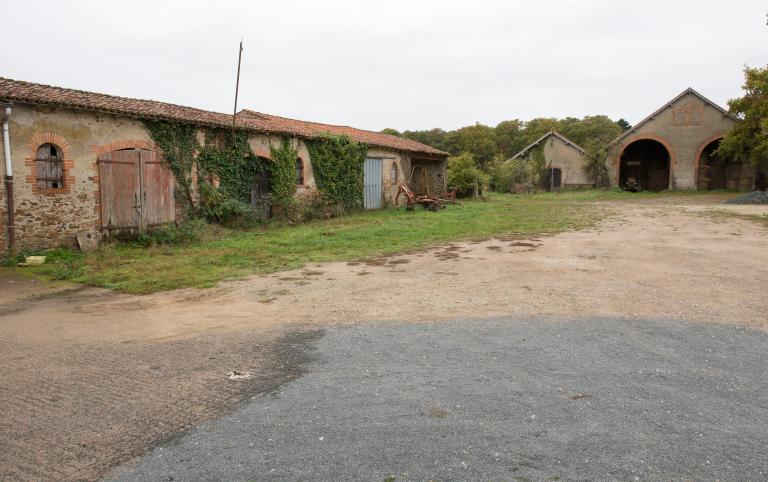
337,163
227,170
231,161
282,178
224,157
179,145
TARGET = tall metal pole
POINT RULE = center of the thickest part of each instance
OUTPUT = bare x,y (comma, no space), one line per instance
237,88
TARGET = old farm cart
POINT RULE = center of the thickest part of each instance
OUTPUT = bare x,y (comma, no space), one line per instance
136,191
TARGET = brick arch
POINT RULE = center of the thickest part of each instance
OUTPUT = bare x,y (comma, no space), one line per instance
644,137
67,165
124,144
700,151
41,138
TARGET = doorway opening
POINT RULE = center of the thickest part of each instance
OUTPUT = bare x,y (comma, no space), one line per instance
644,166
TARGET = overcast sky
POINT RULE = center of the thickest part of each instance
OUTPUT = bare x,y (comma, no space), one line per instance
404,64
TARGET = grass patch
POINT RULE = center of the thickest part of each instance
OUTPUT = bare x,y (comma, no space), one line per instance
761,219
195,256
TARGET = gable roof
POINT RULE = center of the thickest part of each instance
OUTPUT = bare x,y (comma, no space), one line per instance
31,93
535,143
669,104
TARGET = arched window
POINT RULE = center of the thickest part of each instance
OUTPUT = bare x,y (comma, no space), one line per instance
50,167
299,171
393,173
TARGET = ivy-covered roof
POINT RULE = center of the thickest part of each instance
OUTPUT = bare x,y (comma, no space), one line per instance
32,93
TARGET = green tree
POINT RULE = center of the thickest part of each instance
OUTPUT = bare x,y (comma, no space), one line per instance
748,140
596,167
432,137
591,129
479,139
537,127
509,137
464,175
391,132
624,124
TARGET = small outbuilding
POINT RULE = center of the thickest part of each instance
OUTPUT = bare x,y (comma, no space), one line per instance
564,159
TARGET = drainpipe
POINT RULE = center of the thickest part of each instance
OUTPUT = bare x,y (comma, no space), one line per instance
9,178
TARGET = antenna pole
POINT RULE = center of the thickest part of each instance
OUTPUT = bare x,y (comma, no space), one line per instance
237,88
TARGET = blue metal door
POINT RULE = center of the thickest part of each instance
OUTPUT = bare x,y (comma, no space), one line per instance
372,184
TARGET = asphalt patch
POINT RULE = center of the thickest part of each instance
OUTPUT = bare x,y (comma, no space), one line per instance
594,399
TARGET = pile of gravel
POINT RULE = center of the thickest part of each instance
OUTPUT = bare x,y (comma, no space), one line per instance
754,197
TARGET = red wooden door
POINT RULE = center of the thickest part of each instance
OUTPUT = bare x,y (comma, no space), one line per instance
136,190
157,200
120,188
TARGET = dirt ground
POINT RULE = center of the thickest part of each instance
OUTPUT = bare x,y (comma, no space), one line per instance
93,378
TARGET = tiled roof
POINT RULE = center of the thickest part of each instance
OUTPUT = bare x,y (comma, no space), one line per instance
272,123
31,93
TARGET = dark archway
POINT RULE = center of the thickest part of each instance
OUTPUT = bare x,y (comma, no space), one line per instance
716,172
644,166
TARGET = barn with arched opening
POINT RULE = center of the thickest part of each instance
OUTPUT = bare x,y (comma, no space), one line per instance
672,149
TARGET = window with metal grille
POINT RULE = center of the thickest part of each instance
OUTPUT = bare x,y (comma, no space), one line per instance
299,171
393,174
50,167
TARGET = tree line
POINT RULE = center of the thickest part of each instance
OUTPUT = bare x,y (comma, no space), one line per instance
480,154
509,137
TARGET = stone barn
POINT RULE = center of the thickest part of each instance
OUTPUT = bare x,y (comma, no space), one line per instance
565,161
672,149
82,163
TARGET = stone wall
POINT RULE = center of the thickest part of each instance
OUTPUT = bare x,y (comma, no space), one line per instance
392,173
52,217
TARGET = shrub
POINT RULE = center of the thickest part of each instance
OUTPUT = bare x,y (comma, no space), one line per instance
310,203
190,231
216,205
184,233
596,168
464,175
510,174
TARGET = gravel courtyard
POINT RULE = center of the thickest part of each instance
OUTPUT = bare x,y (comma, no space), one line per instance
94,379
